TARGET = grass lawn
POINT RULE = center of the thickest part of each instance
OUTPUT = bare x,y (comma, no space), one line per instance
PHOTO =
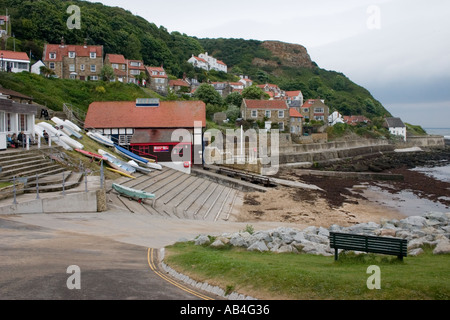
272,276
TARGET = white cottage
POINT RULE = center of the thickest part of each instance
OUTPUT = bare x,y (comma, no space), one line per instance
396,127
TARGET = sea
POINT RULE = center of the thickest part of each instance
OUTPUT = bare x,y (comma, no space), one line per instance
407,202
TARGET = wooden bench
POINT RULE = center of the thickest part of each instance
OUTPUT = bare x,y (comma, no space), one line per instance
382,245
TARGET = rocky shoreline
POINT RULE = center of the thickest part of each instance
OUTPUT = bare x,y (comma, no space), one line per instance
431,229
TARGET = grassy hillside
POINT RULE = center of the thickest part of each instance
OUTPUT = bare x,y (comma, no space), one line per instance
53,93
35,23
340,92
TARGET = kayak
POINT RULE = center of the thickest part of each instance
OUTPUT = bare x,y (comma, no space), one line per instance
91,154
133,193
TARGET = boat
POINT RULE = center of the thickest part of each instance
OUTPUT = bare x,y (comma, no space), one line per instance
54,135
121,172
130,155
65,128
117,164
133,193
71,142
100,139
72,125
139,168
91,154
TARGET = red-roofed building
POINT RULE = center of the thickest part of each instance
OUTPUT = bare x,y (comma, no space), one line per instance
315,109
277,93
296,124
135,68
146,125
207,62
119,65
81,62
11,61
294,99
355,120
157,79
180,84
269,111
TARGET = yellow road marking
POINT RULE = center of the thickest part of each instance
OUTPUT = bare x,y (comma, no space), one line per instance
166,278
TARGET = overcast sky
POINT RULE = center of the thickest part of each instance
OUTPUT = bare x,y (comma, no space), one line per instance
397,49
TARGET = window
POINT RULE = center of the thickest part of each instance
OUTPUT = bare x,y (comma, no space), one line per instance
51,65
135,64
292,129
125,139
319,118
82,67
71,54
268,114
115,66
281,126
281,114
23,122
93,55
254,114
135,72
94,78
52,55
319,110
93,68
73,76
72,68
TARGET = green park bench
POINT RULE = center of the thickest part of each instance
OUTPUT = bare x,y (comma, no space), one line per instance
369,244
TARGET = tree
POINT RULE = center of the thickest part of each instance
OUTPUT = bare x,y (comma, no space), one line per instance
107,73
233,113
234,98
315,83
208,95
255,93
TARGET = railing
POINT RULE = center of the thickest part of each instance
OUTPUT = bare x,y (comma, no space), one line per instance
33,184
74,114
141,153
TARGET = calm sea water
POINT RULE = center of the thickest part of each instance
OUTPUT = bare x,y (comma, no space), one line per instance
439,131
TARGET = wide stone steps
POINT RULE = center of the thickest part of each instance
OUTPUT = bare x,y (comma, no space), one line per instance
179,195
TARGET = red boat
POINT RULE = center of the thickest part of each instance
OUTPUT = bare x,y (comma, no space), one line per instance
91,154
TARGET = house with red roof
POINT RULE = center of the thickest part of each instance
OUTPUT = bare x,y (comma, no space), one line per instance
157,79
294,99
80,62
146,126
119,65
179,85
355,120
135,68
11,61
296,121
273,90
315,109
269,111
207,62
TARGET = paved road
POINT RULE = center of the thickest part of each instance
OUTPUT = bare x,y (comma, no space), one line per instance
111,249
34,263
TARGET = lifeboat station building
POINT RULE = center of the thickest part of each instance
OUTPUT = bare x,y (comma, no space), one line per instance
148,127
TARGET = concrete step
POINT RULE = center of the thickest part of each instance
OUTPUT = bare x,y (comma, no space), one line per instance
8,160
55,183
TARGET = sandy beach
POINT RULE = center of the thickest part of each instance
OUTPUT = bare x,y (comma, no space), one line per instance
348,201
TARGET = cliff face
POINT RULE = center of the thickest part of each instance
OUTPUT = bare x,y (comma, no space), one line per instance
291,55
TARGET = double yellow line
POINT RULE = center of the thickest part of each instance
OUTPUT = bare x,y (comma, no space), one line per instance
150,259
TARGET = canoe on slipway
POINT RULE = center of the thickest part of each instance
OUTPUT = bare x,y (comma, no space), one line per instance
138,167
91,154
132,156
100,139
65,128
138,195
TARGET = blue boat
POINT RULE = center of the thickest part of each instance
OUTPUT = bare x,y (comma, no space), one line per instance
130,155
